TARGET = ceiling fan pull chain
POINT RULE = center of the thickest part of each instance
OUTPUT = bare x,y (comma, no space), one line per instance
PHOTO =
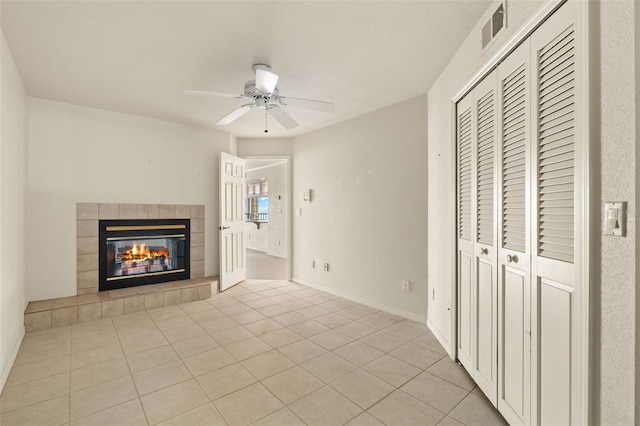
265,121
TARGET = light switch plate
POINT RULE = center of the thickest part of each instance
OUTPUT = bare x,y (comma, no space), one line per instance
615,218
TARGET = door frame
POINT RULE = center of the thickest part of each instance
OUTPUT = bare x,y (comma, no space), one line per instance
289,227
588,200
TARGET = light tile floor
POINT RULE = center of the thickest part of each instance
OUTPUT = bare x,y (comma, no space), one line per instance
260,265
263,353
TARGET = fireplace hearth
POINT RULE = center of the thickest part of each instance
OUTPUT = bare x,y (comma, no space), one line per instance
143,251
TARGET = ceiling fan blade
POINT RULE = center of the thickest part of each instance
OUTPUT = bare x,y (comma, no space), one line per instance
312,104
235,115
266,80
205,93
282,117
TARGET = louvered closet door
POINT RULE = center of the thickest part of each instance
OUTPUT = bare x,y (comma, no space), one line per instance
466,230
514,357
485,363
556,189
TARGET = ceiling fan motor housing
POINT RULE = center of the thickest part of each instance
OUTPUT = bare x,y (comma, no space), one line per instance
250,91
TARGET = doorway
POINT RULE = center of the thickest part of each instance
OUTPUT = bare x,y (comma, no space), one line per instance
267,215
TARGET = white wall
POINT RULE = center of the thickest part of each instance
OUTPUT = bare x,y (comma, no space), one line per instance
13,106
367,217
79,154
272,237
460,70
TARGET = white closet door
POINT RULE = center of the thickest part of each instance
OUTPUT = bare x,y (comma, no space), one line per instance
514,327
485,239
556,243
466,231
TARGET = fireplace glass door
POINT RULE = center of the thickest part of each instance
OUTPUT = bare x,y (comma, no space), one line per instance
139,252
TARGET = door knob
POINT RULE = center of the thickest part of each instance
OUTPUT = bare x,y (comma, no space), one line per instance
484,250
222,228
513,258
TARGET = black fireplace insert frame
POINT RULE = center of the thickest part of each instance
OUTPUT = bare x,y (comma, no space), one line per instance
142,227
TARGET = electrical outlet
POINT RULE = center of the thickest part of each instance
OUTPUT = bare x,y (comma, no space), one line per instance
405,285
326,266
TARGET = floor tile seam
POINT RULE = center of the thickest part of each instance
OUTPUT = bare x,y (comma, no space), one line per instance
417,366
182,339
130,374
356,403
4,413
30,346
457,404
377,331
92,365
101,411
425,403
135,385
163,329
420,371
149,368
106,408
192,354
49,374
426,370
178,415
276,396
19,362
351,362
444,378
335,390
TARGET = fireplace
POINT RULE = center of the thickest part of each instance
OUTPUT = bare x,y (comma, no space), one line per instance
143,251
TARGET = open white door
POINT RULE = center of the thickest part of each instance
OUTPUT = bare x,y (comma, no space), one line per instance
232,248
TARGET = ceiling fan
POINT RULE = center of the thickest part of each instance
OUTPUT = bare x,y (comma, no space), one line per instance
263,93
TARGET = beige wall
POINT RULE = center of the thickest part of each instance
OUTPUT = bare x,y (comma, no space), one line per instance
637,336
618,172
256,147
13,112
368,208
79,154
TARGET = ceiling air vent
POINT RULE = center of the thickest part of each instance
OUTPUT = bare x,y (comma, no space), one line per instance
494,26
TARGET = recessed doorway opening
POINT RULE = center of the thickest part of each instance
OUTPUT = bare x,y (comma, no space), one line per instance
267,215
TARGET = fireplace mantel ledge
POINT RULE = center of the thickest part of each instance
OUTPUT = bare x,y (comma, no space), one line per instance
45,314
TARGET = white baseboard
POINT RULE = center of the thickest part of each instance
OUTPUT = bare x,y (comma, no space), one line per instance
446,345
376,305
7,367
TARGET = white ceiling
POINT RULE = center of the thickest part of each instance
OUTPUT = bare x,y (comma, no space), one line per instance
137,57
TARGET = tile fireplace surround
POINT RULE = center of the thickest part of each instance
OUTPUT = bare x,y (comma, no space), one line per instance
88,215
89,303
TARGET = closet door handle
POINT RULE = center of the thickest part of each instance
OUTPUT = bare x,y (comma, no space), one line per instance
512,259
484,250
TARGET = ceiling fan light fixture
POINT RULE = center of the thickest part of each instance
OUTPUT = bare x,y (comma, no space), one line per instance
265,80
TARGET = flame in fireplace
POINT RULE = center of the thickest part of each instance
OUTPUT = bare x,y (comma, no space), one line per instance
141,252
